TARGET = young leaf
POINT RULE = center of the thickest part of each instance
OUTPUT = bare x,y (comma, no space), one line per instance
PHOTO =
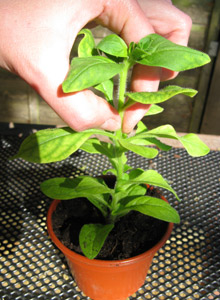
50,145
151,177
137,190
101,202
155,50
154,207
91,146
140,150
154,110
113,45
159,144
141,127
137,140
161,95
113,171
86,72
151,141
107,149
106,88
164,131
87,44
92,238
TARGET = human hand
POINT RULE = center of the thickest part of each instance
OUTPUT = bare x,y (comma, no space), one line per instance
38,37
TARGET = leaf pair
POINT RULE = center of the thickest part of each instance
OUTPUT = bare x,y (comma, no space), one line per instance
94,189
191,142
90,70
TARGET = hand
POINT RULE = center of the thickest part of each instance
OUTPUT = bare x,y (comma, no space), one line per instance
38,37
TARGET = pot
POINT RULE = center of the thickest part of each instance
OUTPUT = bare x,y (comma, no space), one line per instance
102,279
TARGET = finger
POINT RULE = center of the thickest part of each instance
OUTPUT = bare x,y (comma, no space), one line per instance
143,79
167,20
83,110
133,115
125,18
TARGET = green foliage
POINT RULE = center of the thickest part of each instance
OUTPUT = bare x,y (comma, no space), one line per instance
154,50
92,238
158,97
83,69
95,67
113,45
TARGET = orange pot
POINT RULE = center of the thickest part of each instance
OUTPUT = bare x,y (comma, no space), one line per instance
108,280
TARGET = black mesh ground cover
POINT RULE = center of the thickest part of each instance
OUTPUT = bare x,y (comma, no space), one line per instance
187,267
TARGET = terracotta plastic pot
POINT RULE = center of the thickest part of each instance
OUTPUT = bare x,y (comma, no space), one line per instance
108,280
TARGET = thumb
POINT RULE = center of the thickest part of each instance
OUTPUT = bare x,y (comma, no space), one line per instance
80,110
125,18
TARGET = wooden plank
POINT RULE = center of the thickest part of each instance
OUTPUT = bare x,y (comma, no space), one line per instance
198,10
13,101
211,119
200,99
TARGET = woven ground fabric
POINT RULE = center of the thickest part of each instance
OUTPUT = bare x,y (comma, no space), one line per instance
187,267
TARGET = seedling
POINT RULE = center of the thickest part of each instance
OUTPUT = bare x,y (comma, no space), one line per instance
95,66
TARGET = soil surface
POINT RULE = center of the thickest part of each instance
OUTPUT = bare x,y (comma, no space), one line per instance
133,234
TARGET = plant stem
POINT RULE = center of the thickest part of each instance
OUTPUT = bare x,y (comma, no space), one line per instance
121,100
122,86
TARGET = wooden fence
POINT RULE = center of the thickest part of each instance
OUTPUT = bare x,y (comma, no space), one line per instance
20,104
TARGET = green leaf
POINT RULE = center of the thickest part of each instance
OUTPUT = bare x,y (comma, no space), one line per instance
91,146
164,131
150,177
193,145
113,45
106,88
141,142
161,95
51,145
101,202
159,144
154,207
137,190
87,44
140,150
154,50
151,141
86,72
154,110
113,171
138,139
107,149
92,238
141,127
63,188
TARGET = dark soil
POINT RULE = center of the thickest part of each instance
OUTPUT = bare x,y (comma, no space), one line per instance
132,235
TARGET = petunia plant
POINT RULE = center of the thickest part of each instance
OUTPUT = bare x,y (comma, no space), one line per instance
96,66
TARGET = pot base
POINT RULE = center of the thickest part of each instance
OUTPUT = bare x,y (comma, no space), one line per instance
109,280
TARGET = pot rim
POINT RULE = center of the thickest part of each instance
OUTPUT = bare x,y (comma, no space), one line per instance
98,262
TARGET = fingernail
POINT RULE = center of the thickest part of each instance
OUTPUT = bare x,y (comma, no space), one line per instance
111,125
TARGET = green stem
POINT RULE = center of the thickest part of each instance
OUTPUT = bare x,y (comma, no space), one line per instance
117,152
122,86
